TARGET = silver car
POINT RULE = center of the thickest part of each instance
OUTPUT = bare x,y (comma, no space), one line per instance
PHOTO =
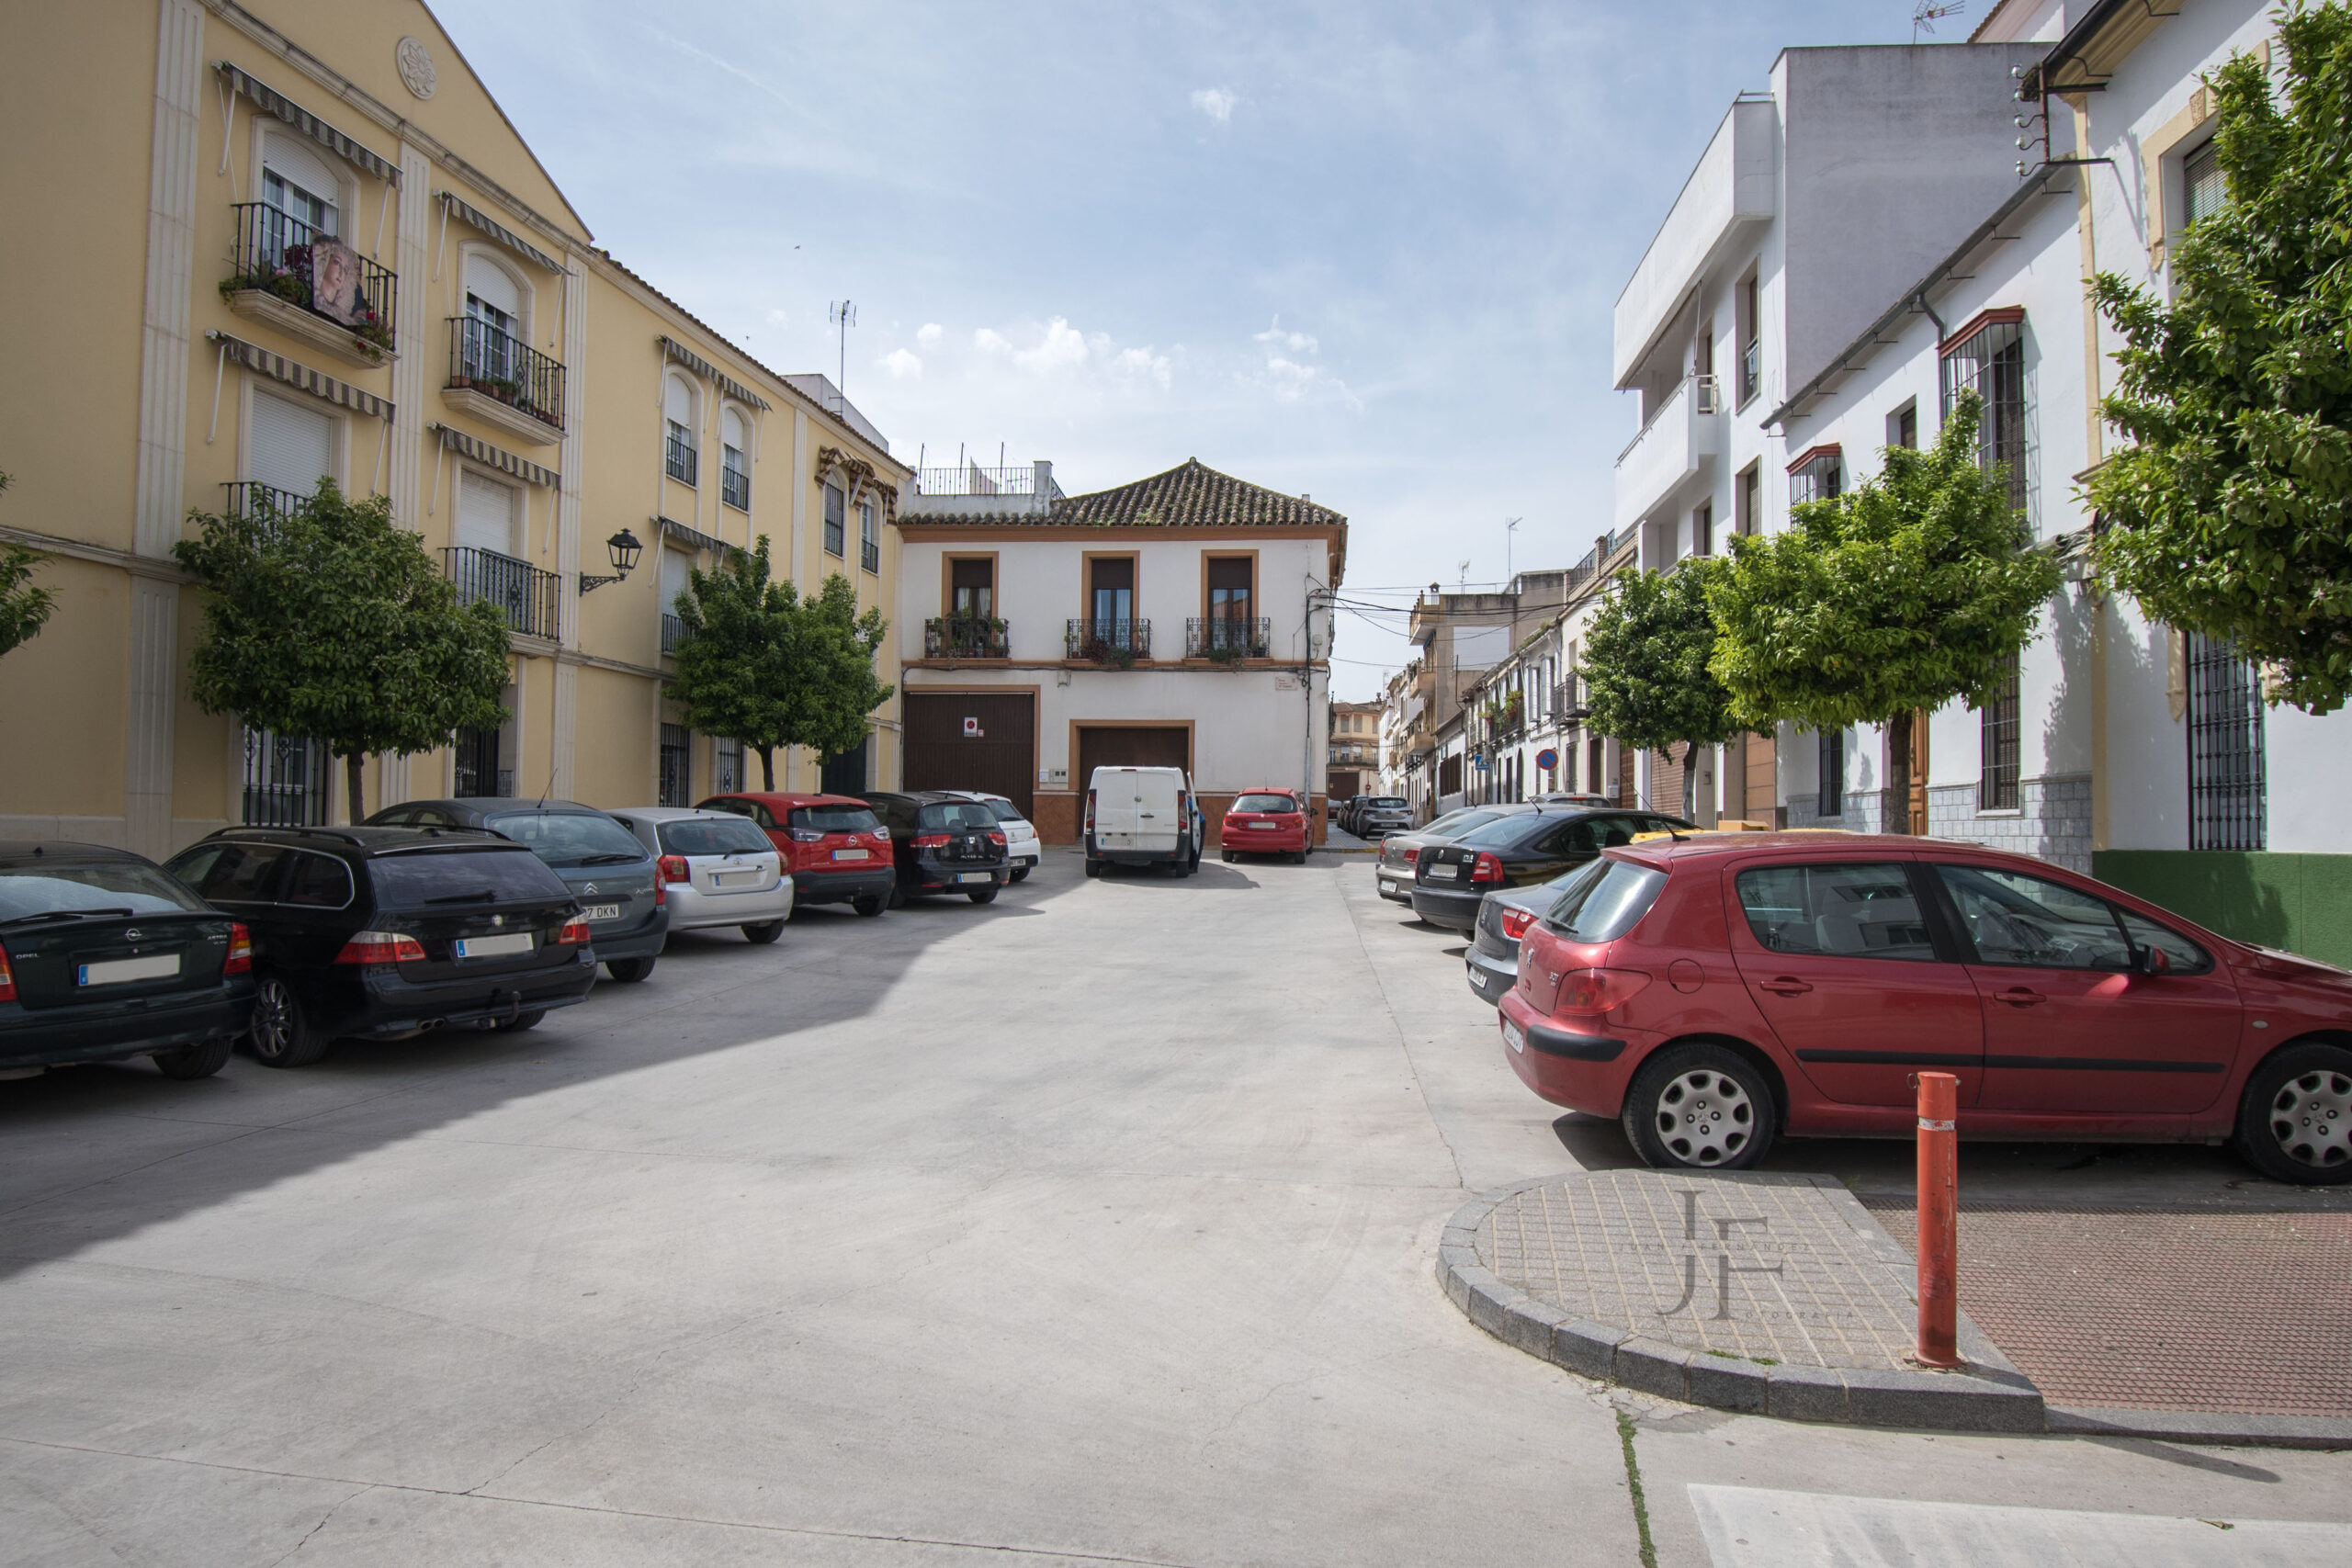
715,869
1381,815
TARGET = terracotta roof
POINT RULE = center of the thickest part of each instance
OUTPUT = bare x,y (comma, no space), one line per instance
1191,496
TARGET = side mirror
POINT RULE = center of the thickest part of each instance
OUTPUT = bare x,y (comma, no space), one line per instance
2151,961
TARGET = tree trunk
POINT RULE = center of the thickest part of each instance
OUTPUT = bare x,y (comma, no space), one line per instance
767,768
1907,794
353,765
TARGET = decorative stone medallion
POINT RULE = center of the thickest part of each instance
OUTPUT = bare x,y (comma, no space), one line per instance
415,63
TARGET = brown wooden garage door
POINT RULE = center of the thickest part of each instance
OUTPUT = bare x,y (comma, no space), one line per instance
1000,760
1137,747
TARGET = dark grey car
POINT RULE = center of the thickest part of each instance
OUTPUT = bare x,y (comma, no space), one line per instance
1393,874
1492,960
602,862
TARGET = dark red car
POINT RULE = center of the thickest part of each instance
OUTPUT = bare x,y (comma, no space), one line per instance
1267,821
1714,992
834,848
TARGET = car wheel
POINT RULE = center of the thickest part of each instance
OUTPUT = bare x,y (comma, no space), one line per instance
2295,1122
765,931
281,1035
520,1021
1228,855
628,971
898,898
868,908
1021,873
1094,868
982,896
1700,1108
195,1061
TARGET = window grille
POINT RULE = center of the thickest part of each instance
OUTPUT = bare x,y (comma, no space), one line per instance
676,742
476,755
679,459
1991,361
1997,787
1831,799
2226,749
286,781
836,520
1819,480
734,479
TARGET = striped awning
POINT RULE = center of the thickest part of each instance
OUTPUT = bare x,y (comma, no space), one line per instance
695,538
482,451
273,102
278,367
679,354
496,231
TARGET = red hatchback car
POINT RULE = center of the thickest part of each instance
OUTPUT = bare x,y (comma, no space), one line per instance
1268,821
1714,991
835,850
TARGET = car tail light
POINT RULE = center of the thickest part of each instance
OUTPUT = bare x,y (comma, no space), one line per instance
381,947
7,978
1516,922
930,840
674,869
1598,991
241,950
1412,854
1089,811
1487,868
996,838
575,931
807,836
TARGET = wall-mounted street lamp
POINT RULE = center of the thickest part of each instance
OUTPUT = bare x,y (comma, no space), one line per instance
624,549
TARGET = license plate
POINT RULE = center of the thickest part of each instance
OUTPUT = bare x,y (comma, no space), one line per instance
601,912
493,946
1513,1038
976,876
115,972
731,878
1268,826
1445,874
852,854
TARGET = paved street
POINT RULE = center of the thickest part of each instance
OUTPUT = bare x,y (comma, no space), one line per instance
1095,1225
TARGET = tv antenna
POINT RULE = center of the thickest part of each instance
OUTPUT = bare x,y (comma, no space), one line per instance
844,316
1466,577
1510,526
1925,15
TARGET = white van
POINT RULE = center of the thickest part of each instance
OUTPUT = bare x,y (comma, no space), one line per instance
1140,817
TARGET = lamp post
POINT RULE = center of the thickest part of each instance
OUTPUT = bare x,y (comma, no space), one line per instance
624,549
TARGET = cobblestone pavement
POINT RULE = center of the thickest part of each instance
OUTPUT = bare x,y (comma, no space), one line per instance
2209,1306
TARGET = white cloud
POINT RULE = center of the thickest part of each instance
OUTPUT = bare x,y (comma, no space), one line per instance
778,319
901,364
987,340
1297,342
1062,345
1143,362
928,334
1217,102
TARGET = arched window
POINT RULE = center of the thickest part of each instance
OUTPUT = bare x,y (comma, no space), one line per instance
734,460
680,450
494,324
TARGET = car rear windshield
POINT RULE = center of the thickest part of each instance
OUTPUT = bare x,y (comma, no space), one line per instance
1005,810
1505,832
121,885
1461,822
956,816
1604,900
420,880
1383,803
1276,803
571,838
833,819
717,835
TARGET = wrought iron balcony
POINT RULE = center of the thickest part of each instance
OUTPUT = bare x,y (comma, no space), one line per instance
679,459
734,485
1107,642
530,598
869,554
1228,636
674,633
280,255
507,370
251,498
966,636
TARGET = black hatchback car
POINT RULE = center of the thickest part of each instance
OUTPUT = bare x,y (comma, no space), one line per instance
386,932
104,957
606,868
1517,851
942,843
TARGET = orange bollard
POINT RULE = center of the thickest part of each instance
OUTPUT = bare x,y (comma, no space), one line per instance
1939,1219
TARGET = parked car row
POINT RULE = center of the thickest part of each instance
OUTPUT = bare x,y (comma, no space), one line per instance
1714,991
1374,816
437,914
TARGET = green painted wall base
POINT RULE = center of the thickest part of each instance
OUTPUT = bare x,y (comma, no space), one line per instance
2300,903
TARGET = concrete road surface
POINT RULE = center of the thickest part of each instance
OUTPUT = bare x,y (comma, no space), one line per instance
1096,1226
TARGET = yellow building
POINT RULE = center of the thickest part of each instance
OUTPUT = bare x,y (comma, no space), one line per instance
283,239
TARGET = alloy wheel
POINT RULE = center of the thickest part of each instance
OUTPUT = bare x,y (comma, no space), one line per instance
277,1018
1704,1118
2311,1117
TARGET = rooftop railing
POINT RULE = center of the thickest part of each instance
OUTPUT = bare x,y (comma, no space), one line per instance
973,479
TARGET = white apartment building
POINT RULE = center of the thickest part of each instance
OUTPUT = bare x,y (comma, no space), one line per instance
1181,620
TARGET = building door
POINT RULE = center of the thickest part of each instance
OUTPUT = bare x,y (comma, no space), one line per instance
1763,778
847,773
1108,746
976,740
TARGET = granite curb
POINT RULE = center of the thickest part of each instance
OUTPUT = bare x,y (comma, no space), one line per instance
1988,1395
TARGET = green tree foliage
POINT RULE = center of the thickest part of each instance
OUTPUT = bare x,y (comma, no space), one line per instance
330,623
1908,590
24,609
1645,661
764,667
2233,514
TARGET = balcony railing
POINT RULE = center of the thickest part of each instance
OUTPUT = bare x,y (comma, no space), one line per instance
966,636
679,459
251,498
276,252
674,633
502,366
734,488
869,554
1228,636
1107,642
529,597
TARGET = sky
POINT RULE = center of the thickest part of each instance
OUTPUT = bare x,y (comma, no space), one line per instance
1362,251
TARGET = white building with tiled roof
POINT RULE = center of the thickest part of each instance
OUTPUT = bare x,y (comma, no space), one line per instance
1181,620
